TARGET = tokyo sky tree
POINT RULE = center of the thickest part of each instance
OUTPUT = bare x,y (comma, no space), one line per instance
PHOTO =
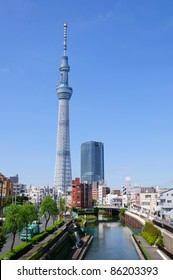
63,176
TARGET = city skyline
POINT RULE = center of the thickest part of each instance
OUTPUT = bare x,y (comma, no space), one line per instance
120,54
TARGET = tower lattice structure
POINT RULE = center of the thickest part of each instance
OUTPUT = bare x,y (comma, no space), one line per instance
63,176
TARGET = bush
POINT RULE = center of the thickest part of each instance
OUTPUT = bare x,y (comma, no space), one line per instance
79,219
151,233
160,242
51,229
18,251
91,217
59,223
39,237
150,239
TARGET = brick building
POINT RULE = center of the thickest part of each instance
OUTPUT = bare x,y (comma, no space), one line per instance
81,194
6,189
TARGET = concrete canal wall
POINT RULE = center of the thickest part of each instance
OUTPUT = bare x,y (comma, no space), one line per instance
133,221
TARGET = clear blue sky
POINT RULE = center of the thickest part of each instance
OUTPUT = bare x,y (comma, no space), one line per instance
121,58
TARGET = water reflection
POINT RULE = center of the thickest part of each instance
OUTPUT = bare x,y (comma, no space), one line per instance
112,241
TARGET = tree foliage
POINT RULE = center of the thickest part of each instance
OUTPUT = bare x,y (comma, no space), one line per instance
48,209
12,221
28,213
3,238
122,211
18,217
62,204
17,200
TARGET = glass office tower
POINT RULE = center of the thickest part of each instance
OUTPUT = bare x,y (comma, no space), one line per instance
92,162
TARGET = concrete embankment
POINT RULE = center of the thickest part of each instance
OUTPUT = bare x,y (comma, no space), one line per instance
80,253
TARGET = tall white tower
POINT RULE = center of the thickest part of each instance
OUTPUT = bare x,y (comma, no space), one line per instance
62,176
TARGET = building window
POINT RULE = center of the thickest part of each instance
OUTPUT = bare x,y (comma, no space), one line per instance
145,203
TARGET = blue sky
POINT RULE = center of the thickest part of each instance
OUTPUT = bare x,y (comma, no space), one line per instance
121,58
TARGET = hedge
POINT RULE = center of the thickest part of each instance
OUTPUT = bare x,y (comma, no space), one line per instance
18,251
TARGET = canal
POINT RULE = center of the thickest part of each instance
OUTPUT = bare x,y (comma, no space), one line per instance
112,241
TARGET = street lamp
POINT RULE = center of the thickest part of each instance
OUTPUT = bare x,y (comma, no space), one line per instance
1,187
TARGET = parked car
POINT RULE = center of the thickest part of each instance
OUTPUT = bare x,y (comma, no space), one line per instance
28,232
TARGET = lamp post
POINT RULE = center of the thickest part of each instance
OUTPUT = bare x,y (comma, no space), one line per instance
1,187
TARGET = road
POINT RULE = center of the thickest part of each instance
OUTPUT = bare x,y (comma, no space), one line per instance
7,246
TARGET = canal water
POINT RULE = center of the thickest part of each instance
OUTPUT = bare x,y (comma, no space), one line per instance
112,241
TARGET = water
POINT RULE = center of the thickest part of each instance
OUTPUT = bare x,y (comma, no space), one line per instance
112,241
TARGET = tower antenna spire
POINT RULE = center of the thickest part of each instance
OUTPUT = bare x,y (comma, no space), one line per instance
65,38
62,175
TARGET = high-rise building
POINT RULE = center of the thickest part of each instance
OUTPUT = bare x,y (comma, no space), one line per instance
62,176
92,162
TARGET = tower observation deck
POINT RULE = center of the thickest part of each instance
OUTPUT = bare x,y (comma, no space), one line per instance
62,175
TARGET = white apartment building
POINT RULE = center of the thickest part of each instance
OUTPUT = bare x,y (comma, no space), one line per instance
113,200
101,195
124,200
149,202
36,194
166,201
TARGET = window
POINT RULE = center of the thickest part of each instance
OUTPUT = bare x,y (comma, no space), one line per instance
169,201
145,203
147,196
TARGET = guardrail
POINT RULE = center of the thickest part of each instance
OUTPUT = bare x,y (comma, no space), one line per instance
163,225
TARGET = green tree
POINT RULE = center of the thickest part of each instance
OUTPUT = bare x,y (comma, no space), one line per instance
3,238
122,211
8,200
12,221
48,209
17,200
28,213
94,202
61,204
21,199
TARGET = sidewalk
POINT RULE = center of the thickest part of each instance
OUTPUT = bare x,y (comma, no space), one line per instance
153,251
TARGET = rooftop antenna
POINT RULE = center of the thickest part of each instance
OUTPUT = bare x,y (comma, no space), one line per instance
65,38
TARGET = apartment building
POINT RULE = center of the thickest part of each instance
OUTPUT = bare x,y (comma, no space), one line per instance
166,201
81,194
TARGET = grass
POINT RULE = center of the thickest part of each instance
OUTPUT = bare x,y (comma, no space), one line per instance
147,255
